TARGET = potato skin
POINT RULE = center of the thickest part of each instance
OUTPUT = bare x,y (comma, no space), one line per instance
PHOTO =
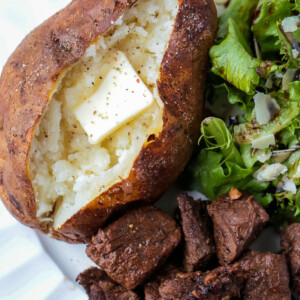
60,42
26,82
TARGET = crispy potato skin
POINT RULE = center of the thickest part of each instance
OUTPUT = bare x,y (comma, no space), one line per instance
27,80
29,77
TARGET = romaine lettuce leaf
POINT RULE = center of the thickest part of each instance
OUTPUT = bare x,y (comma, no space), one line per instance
234,95
242,13
288,202
264,199
232,60
265,25
217,136
295,91
293,164
286,49
249,184
296,35
247,132
214,175
248,156
219,166
290,136
297,5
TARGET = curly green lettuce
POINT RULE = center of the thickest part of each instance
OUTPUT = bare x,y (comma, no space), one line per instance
219,165
233,61
265,28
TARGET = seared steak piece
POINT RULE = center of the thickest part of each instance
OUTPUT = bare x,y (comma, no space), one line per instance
130,249
221,283
168,271
290,244
238,220
197,232
100,287
267,274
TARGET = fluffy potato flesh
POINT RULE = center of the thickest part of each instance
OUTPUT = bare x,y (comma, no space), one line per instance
66,171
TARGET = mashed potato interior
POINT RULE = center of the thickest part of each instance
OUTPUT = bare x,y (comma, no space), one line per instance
66,171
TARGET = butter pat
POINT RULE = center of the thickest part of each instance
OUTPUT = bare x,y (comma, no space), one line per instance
120,98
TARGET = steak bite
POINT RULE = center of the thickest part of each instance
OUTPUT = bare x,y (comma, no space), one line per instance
197,232
151,288
267,275
130,249
221,283
100,287
290,244
238,220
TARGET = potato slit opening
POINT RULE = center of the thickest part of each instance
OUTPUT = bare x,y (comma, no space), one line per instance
66,171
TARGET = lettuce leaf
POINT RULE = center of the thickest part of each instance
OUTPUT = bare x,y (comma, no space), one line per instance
296,35
248,156
242,13
247,132
234,95
295,91
297,5
216,176
265,27
264,199
217,136
251,185
290,136
293,164
288,203
286,49
232,60
220,166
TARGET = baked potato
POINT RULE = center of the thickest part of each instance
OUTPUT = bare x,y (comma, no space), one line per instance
54,176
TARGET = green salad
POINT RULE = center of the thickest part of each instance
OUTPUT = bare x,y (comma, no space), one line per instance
254,143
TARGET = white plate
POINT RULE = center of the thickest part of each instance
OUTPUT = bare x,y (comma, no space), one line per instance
33,266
